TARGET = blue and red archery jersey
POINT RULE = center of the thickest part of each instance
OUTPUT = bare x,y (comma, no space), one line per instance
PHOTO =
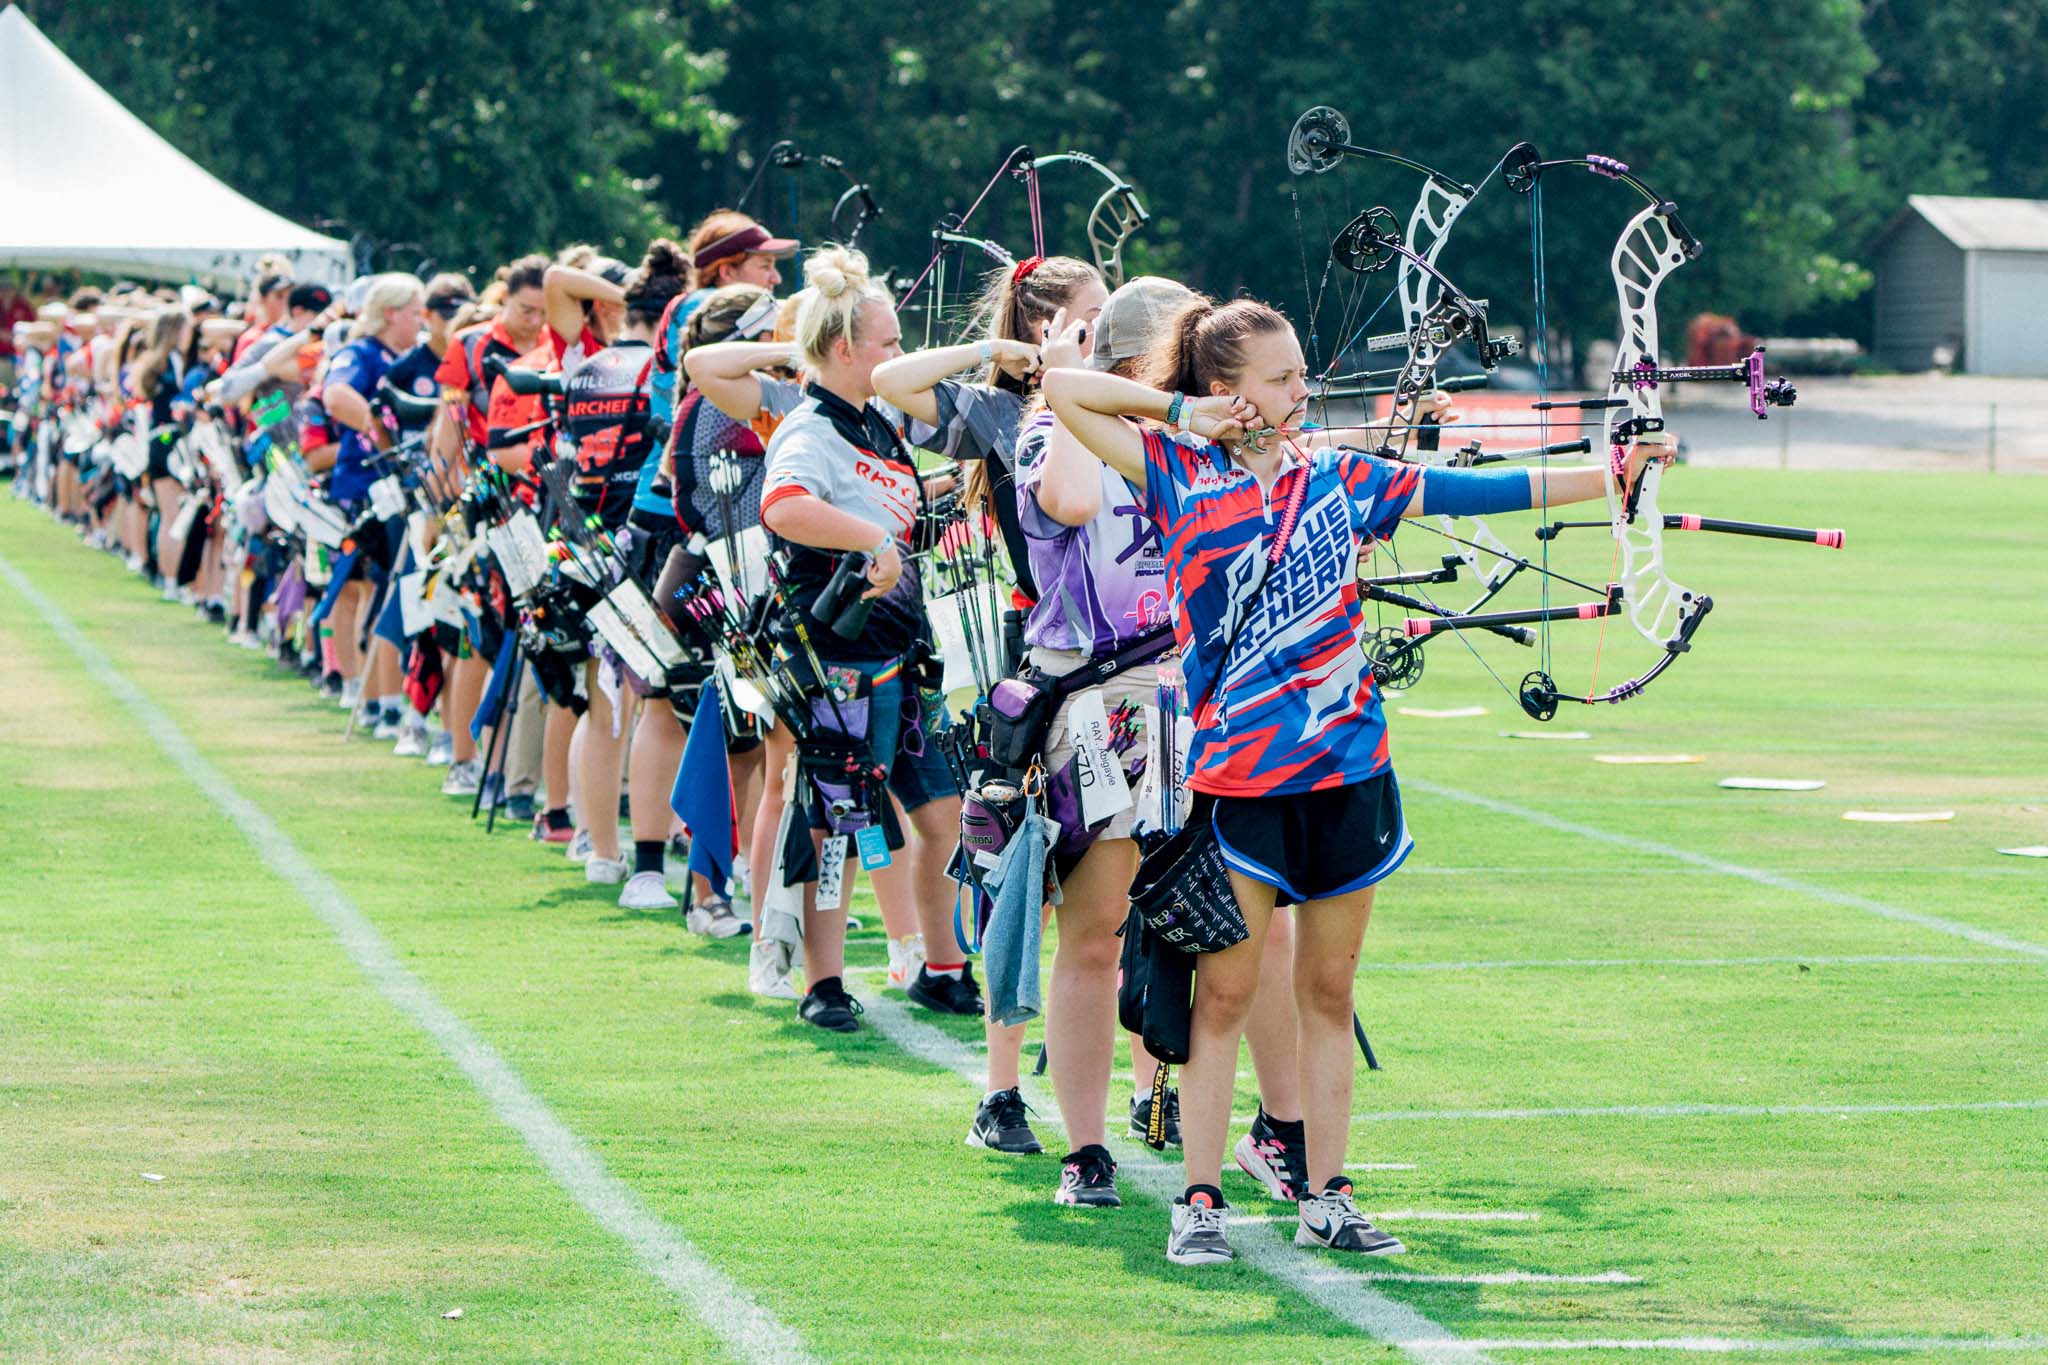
1297,710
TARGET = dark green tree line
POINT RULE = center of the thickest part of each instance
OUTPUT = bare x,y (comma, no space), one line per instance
1788,133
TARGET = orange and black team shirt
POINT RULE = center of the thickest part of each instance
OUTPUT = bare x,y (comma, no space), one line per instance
464,380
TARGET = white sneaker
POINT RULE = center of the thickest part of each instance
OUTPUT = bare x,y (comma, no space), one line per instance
714,919
906,960
412,742
386,727
579,850
441,750
762,978
463,779
606,871
645,891
351,693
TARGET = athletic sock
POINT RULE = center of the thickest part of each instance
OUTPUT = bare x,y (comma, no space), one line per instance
1206,1195
558,818
1282,1127
393,705
647,855
953,971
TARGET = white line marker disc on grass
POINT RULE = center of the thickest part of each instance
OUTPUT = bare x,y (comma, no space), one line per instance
1899,817
1771,784
1632,759
1445,713
2031,851
1545,734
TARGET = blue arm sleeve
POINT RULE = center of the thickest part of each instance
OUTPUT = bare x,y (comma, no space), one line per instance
1475,492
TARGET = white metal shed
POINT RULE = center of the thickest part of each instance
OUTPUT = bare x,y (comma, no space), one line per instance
1968,276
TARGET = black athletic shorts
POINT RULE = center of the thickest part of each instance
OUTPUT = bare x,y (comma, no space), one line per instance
160,443
1312,845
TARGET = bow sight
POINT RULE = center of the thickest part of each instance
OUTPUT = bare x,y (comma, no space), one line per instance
1763,393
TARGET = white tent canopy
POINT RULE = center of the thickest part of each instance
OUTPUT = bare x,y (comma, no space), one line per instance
84,184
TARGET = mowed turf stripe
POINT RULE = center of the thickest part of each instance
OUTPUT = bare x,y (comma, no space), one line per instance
1722,867
746,1328
1350,1297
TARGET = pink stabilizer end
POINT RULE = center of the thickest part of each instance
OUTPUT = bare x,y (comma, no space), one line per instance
1416,626
1831,539
1590,611
1688,523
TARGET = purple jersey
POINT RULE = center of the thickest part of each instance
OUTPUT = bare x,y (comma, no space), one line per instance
1100,585
1296,710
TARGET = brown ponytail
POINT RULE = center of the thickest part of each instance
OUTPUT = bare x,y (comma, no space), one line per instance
1205,343
1017,298
1014,301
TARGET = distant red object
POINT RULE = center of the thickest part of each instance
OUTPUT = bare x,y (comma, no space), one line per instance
1711,339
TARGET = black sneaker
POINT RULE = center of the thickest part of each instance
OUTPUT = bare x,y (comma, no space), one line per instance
829,1007
947,994
1000,1125
519,807
1088,1179
1331,1220
1141,1116
330,686
1276,1155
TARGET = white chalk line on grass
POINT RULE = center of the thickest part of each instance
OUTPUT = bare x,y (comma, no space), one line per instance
1767,1346
1347,1295
1723,868
1484,1277
1692,1111
747,1329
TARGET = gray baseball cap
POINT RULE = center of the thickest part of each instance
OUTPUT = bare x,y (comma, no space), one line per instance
1133,317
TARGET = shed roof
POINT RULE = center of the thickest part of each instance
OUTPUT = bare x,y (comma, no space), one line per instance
1979,223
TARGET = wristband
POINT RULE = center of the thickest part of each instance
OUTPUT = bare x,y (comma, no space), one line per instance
887,543
988,352
1173,410
1186,425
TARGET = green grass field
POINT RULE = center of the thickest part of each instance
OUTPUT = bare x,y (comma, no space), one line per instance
1750,1078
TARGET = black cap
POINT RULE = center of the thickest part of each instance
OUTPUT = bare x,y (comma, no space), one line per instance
309,297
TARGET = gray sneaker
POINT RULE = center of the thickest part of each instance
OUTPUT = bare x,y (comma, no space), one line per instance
463,779
1197,1237
1331,1220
